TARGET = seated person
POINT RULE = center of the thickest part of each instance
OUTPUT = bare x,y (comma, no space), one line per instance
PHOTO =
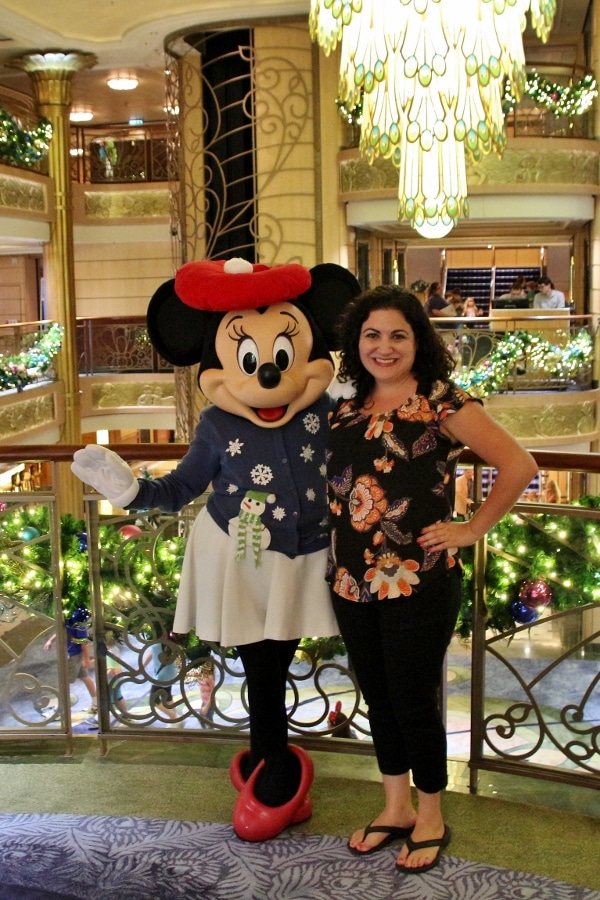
516,292
548,297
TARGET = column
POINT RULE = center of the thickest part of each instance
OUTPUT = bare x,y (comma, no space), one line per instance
51,74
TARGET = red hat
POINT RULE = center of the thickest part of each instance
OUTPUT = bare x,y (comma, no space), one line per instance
225,285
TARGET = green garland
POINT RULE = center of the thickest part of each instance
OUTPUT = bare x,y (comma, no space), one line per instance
19,147
31,364
572,100
563,552
139,584
522,350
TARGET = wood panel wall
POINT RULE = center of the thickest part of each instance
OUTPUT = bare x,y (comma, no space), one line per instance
120,277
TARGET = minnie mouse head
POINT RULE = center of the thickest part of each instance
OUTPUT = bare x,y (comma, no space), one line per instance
261,334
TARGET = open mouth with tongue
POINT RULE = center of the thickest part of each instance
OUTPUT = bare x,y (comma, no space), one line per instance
271,413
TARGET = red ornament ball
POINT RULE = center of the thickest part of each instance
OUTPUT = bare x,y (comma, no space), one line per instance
535,593
130,530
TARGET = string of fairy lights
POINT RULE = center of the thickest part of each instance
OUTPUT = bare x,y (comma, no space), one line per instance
562,100
521,352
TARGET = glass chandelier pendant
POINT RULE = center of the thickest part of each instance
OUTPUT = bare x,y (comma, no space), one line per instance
427,79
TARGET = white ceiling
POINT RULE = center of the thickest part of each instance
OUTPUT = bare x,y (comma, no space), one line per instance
130,35
123,36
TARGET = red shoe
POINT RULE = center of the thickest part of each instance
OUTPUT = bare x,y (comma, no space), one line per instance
237,779
253,821
235,770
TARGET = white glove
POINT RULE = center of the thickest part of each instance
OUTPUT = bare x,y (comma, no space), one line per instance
107,473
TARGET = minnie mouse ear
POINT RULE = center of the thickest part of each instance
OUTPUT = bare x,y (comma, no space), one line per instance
175,329
332,288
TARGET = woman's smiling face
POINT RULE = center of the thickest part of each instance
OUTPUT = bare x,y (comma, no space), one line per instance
387,345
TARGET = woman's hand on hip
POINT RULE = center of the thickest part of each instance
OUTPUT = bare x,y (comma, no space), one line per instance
447,535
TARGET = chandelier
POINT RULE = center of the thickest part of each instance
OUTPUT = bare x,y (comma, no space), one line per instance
426,78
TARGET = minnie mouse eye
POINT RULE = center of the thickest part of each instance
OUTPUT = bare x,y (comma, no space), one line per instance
247,355
283,353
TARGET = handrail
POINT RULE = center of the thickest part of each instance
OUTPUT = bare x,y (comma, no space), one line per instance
546,459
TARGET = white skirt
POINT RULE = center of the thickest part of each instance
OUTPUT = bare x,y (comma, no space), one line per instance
233,602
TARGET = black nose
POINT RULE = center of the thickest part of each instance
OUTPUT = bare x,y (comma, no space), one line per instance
269,375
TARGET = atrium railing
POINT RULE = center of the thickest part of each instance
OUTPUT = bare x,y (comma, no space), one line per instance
532,682
514,350
508,351
556,104
111,345
119,154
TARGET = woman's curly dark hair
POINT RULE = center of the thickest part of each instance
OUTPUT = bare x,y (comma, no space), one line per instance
433,360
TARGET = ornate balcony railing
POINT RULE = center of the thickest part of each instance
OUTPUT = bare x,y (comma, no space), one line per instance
521,351
109,345
532,679
119,154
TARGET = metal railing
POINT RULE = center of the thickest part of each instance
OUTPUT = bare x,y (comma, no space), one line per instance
109,345
528,705
544,351
119,154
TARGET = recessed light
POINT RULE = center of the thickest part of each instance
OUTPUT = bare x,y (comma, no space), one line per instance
123,82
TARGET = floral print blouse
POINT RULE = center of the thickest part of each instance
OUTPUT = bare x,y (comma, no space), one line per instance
389,475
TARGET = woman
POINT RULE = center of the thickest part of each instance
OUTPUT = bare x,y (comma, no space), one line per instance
436,305
394,573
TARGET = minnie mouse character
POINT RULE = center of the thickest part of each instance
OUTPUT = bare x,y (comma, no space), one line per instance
253,575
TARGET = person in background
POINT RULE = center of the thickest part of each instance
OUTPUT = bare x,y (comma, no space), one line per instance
436,305
394,569
547,296
531,289
79,663
470,309
551,492
165,670
463,500
516,292
456,299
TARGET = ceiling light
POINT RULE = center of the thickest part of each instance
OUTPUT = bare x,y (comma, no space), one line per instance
123,82
81,115
425,80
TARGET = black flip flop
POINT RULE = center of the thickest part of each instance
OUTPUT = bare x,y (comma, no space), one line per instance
440,843
392,833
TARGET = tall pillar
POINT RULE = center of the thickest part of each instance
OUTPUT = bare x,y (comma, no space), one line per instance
51,74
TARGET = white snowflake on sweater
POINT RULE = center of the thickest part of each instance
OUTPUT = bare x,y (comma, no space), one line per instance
261,474
235,447
279,513
311,423
310,494
307,453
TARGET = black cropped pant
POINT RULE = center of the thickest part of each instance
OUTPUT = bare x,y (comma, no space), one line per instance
397,648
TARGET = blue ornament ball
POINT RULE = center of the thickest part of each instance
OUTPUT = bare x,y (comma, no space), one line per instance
82,536
523,615
29,533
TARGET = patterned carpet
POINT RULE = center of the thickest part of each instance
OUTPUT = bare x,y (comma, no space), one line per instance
62,857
